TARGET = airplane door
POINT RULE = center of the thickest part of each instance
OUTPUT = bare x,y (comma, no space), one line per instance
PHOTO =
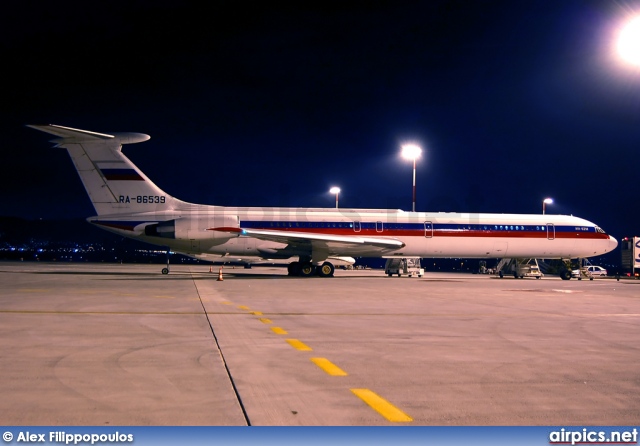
551,231
356,226
379,226
428,229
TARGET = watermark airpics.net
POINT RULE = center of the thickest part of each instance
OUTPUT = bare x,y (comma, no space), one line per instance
593,436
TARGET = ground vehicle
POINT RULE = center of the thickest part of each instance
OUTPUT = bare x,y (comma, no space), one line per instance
630,256
519,268
590,271
532,270
409,267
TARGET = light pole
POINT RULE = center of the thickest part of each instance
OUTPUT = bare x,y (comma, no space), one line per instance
412,152
545,202
336,191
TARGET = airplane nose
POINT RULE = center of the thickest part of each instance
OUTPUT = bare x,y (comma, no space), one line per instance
613,244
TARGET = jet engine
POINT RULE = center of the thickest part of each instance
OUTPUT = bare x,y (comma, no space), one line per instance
201,227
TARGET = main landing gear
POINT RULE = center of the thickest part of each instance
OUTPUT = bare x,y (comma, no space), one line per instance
307,269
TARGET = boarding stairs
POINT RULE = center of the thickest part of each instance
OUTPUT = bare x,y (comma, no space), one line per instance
583,266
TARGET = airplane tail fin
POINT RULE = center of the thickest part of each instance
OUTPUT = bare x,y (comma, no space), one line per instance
114,184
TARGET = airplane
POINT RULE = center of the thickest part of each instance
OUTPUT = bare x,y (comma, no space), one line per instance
128,203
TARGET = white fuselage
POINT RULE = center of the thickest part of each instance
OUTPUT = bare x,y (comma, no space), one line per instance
422,234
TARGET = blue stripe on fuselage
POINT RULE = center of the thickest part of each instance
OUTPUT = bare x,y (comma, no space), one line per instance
259,224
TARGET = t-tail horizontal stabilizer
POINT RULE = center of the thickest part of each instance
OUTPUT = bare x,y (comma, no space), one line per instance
71,135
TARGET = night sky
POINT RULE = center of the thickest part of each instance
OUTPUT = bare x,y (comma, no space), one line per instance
271,104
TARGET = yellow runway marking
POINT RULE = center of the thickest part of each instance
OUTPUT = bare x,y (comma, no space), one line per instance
328,367
226,303
243,307
257,313
382,406
265,320
299,345
278,330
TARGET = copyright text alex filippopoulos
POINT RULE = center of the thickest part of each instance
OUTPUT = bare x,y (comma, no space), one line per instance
61,437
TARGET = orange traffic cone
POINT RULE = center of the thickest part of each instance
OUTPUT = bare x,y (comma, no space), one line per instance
220,275
211,269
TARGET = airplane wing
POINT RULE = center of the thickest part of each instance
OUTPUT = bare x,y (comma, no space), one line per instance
256,260
331,244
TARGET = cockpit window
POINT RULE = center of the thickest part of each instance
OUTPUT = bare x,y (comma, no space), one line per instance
600,230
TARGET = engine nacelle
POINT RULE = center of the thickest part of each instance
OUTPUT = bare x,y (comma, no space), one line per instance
201,227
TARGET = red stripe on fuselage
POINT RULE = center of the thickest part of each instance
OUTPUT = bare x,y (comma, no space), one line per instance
436,233
225,229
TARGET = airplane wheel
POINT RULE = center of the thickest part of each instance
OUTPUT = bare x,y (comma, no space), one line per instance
165,270
326,270
307,269
501,274
565,275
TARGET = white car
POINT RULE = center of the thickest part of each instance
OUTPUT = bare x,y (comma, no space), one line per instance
592,271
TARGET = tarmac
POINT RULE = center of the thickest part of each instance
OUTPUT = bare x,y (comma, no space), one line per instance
109,345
